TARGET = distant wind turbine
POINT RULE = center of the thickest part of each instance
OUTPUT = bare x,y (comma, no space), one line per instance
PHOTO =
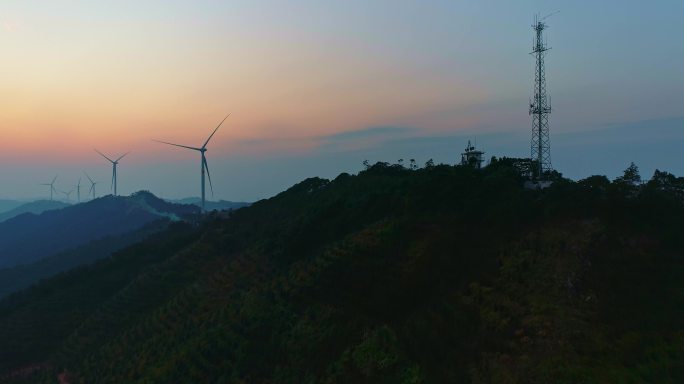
204,166
78,190
92,186
52,186
114,164
68,195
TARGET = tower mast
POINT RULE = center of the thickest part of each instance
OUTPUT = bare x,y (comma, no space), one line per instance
540,107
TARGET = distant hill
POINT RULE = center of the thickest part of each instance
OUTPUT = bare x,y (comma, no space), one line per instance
29,237
6,205
435,275
35,207
22,276
221,205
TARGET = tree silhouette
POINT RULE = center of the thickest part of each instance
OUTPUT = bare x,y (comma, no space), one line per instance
630,176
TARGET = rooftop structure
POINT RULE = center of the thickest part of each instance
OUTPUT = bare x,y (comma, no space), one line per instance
472,156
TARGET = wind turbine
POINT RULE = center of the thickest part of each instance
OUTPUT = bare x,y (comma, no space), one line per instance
78,190
92,185
52,186
114,164
68,195
204,166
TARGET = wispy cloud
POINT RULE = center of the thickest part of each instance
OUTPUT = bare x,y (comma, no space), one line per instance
344,141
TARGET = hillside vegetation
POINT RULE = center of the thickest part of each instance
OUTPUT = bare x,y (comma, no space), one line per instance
434,275
220,205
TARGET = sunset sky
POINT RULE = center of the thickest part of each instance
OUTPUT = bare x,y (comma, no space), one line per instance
316,87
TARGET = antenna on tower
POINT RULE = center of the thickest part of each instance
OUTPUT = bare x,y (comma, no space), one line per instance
540,107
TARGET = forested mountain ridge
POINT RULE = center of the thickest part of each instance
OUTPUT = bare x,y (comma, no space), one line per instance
220,205
440,274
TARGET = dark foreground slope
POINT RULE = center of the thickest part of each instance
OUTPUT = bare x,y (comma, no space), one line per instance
398,276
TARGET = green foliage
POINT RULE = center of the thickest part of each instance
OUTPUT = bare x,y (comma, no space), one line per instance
395,275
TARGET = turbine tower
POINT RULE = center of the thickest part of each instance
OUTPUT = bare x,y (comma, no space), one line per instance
52,186
92,186
204,165
540,107
78,190
114,164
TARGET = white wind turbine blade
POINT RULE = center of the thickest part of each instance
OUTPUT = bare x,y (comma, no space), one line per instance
178,145
103,155
212,134
122,156
91,180
206,166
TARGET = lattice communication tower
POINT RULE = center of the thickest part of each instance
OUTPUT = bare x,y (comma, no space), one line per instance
540,107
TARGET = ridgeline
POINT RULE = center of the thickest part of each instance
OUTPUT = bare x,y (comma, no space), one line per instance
434,275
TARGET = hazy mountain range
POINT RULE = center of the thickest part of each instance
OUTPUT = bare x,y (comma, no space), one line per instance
26,262
21,276
6,205
11,208
35,207
30,237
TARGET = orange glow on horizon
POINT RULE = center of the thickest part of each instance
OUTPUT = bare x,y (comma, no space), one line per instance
71,84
